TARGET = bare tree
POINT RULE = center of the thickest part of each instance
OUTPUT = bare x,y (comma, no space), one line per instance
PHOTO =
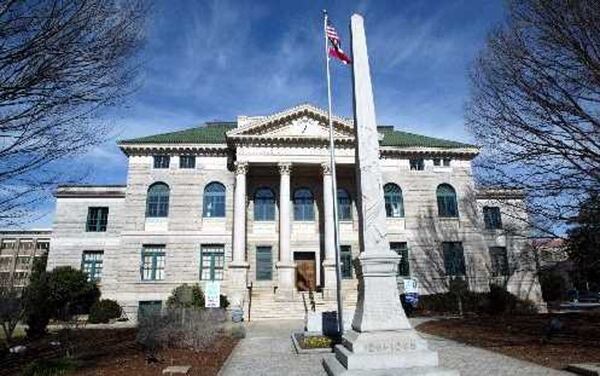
14,278
535,106
61,62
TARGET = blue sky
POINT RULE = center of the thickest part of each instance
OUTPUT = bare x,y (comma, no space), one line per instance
213,60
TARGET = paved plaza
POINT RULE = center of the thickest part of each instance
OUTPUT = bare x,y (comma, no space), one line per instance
268,350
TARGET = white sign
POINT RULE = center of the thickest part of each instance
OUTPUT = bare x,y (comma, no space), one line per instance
212,294
411,286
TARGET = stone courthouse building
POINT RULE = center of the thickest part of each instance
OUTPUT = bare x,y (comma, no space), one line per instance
249,203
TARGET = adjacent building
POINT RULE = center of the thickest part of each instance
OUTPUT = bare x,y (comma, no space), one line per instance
249,203
18,251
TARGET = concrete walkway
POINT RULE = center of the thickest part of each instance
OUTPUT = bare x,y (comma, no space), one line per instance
268,350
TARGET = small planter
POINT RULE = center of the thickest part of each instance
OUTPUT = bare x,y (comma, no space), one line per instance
298,339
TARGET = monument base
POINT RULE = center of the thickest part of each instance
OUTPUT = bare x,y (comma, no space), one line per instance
335,368
401,352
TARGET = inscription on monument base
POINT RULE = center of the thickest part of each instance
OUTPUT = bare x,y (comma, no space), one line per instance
391,346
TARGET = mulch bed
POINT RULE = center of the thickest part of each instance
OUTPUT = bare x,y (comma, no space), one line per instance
115,352
527,337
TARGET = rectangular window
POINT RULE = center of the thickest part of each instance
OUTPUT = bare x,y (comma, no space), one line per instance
492,218
446,162
161,161
153,263
437,162
499,261
187,161
8,245
97,219
401,249
264,264
23,263
346,261
212,260
43,246
91,264
149,308
417,164
454,259
26,244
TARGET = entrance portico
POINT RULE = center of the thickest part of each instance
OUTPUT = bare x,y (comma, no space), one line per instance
290,233
294,146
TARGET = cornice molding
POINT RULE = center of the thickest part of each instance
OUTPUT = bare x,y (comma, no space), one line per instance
386,151
150,149
259,140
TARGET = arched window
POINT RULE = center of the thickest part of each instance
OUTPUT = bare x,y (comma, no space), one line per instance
394,203
344,205
214,200
446,200
303,205
264,205
157,201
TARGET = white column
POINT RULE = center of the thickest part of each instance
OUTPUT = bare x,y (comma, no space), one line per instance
286,267
238,268
239,213
284,212
329,233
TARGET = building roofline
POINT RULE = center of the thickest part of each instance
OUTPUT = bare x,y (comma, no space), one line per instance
500,193
90,191
32,231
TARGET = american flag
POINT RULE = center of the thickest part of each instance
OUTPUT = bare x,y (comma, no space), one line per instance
336,45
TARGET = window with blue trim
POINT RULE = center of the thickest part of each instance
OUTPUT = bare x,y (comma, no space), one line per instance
417,164
344,205
446,200
214,200
492,218
264,205
499,262
212,262
161,161
92,264
157,202
97,219
401,249
304,205
187,161
394,202
454,259
153,263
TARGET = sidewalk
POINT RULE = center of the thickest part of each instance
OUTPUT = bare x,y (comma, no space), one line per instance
268,350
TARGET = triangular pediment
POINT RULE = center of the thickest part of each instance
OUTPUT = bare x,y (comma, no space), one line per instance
304,121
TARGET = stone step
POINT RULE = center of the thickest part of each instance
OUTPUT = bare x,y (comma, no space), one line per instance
265,307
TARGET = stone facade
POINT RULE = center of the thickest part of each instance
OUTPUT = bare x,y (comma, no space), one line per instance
283,152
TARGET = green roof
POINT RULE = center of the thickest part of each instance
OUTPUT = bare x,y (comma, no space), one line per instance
210,133
392,137
214,133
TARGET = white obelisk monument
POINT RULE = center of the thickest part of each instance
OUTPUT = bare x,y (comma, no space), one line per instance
381,341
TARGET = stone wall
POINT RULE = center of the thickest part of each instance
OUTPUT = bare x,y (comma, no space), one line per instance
185,230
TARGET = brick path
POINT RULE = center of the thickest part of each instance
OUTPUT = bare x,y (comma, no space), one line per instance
268,350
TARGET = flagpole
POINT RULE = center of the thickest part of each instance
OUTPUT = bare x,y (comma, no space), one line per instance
338,270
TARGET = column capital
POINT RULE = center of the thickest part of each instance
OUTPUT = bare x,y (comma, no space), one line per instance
241,168
285,168
325,168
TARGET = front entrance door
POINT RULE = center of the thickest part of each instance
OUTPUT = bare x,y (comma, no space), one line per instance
306,271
